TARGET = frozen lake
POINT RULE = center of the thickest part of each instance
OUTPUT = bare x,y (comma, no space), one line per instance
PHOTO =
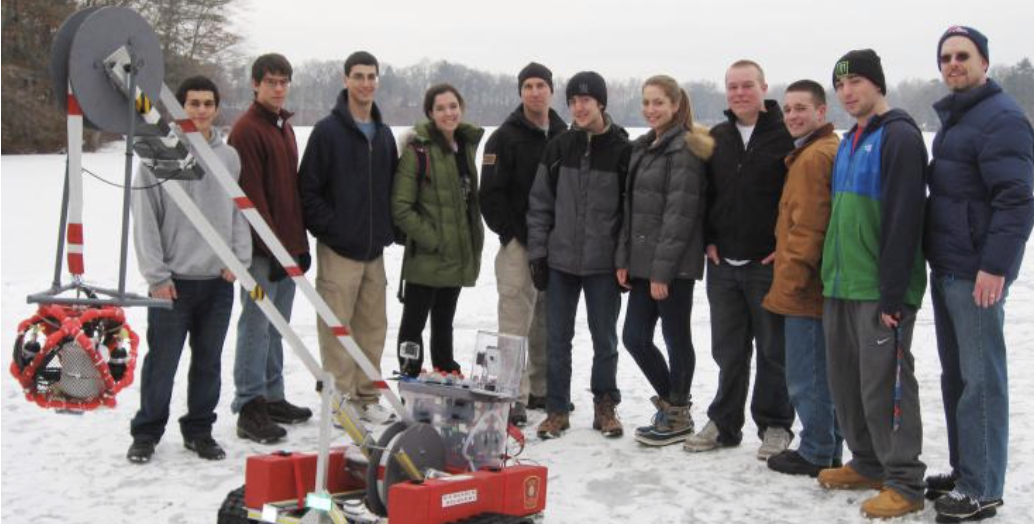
66,468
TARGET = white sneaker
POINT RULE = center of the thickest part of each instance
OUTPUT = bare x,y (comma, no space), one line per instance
773,442
375,413
705,440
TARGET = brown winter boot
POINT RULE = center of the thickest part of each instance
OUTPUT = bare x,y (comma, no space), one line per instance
846,477
661,406
889,504
554,426
606,418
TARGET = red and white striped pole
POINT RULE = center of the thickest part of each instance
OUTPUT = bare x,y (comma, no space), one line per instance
74,227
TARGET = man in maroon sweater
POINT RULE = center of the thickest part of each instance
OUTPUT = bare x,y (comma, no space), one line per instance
269,176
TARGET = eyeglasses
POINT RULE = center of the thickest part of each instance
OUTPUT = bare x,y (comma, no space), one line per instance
959,57
276,82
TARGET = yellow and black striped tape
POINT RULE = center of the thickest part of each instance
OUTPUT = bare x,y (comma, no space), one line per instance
257,293
143,104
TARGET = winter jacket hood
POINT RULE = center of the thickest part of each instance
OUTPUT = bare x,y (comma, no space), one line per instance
345,182
804,210
980,210
700,142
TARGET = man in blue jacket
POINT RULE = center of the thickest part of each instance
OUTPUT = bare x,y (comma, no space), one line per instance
979,216
345,183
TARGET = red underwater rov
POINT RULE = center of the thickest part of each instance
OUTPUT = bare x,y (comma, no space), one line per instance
446,461
74,358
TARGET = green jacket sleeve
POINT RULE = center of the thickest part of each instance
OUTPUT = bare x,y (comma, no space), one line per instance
405,204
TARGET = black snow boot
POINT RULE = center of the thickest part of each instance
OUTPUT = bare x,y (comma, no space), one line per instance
283,412
253,423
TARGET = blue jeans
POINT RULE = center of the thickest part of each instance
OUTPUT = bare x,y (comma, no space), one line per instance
672,379
258,365
738,323
808,386
602,303
974,385
202,309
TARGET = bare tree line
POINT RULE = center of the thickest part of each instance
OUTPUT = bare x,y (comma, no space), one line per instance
198,38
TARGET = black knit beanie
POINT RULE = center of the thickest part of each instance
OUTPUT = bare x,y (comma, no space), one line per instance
973,35
588,83
535,70
861,62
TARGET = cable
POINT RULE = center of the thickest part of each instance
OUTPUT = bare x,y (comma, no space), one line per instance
175,176
134,188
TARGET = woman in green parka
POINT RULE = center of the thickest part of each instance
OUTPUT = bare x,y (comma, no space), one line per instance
434,202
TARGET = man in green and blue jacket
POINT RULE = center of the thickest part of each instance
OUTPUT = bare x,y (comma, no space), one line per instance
873,279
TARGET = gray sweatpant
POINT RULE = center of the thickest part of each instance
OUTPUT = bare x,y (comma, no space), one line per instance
862,362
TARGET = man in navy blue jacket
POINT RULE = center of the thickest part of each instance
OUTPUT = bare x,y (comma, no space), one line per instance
345,183
979,216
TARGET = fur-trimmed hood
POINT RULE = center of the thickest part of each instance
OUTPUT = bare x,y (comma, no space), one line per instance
426,133
700,142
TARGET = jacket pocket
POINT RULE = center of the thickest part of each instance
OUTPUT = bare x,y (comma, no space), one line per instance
978,216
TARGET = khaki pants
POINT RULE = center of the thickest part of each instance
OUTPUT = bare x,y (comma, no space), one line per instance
522,312
355,292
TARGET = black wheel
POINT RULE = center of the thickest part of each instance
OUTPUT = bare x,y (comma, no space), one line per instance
373,498
233,511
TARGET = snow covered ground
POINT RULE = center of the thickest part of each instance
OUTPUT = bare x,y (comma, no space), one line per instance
69,468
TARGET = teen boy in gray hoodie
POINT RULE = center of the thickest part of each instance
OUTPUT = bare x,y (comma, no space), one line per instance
179,265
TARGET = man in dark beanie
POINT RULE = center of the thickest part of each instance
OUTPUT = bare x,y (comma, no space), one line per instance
574,217
980,190
535,70
864,63
508,169
975,37
588,83
873,278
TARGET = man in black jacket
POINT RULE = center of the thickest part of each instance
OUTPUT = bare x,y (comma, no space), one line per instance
745,182
345,183
508,169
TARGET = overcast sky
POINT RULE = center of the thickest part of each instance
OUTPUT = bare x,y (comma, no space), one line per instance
690,40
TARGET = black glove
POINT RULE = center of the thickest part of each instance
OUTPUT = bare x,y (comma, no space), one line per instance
400,235
276,271
539,273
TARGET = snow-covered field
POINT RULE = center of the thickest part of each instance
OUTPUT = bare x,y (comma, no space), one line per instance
69,468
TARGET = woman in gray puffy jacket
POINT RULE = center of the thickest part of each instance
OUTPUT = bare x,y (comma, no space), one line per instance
661,252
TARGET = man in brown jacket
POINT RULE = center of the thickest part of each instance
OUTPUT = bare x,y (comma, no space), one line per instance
796,289
269,176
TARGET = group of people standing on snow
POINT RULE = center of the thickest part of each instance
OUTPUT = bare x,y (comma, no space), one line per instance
815,249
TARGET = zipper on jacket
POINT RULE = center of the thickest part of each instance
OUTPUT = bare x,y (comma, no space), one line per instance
369,174
840,228
739,180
